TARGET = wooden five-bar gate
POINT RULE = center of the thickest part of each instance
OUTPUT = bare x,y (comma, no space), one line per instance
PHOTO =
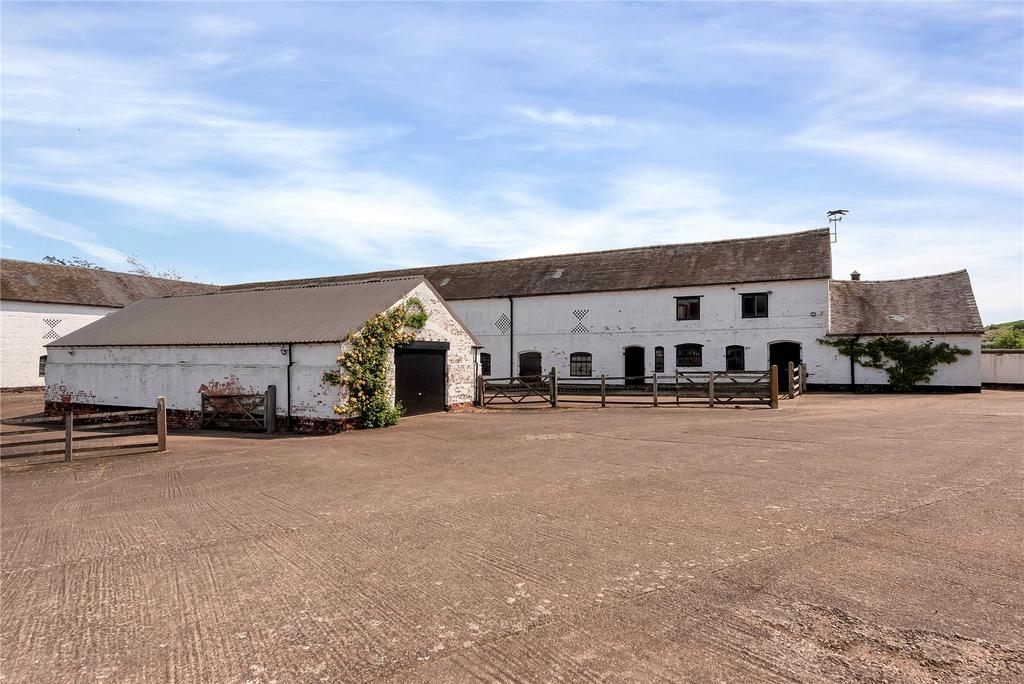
713,388
240,411
99,432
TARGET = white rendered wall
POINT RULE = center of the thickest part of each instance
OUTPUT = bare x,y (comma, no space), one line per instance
441,326
965,372
24,330
135,376
615,320
1003,366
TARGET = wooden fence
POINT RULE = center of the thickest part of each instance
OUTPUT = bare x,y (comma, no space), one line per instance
240,411
713,388
34,436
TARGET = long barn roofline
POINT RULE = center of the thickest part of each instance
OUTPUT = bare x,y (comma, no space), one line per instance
803,255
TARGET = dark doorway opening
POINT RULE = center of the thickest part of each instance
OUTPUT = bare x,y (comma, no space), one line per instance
530,366
420,380
781,354
734,358
633,365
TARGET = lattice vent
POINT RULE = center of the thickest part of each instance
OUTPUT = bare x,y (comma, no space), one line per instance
580,314
52,333
504,324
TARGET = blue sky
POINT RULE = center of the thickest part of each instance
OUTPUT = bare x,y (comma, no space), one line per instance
239,142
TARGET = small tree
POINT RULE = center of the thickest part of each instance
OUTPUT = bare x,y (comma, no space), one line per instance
138,267
906,364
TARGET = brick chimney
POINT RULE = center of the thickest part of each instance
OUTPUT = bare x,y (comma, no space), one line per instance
855,276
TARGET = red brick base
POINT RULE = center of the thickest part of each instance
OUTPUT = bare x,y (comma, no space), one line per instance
456,408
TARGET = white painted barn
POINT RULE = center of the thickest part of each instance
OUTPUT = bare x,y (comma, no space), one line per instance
240,342
41,302
729,304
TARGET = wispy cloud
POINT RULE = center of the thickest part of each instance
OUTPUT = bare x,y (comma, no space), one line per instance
16,214
566,118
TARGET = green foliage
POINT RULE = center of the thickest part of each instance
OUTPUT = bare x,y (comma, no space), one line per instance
364,367
1004,336
906,364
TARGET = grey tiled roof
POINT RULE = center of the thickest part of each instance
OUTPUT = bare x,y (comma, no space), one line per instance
30,281
941,303
790,256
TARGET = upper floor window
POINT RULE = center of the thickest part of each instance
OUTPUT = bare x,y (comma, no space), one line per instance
659,359
755,305
42,366
580,364
689,355
485,363
734,358
687,308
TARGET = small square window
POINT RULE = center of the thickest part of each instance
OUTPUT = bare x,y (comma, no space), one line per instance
580,365
755,305
687,308
689,355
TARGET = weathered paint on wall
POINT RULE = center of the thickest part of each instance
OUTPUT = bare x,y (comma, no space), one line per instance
604,324
1002,366
26,326
135,376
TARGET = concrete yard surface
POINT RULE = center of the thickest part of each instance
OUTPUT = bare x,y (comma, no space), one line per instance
839,538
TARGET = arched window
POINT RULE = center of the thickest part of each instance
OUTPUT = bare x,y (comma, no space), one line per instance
734,358
485,363
580,365
689,355
659,359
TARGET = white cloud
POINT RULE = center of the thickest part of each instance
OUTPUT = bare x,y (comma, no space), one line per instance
566,118
220,26
16,214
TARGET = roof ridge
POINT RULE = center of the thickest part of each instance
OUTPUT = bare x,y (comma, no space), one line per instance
307,286
901,280
104,270
563,255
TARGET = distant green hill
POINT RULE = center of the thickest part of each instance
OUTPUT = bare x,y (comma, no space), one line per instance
1004,335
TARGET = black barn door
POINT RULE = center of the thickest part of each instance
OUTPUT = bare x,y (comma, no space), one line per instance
633,365
419,379
530,367
780,354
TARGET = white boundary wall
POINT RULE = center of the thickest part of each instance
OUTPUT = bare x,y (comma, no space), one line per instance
1002,366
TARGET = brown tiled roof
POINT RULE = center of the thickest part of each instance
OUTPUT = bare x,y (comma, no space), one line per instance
791,256
279,315
30,281
930,304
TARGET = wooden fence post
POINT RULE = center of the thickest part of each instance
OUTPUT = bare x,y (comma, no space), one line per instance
604,389
803,379
69,426
677,387
161,424
654,388
270,409
773,387
711,389
554,387
480,390
790,374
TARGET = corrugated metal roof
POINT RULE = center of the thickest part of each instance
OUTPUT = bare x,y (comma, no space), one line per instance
941,303
30,281
324,313
790,256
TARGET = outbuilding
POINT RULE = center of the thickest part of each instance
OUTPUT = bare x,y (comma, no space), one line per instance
241,342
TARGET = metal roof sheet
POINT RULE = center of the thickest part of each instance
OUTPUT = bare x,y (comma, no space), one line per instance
790,256
941,303
323,313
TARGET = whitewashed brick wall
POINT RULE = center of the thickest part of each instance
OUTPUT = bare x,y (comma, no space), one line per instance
26,326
